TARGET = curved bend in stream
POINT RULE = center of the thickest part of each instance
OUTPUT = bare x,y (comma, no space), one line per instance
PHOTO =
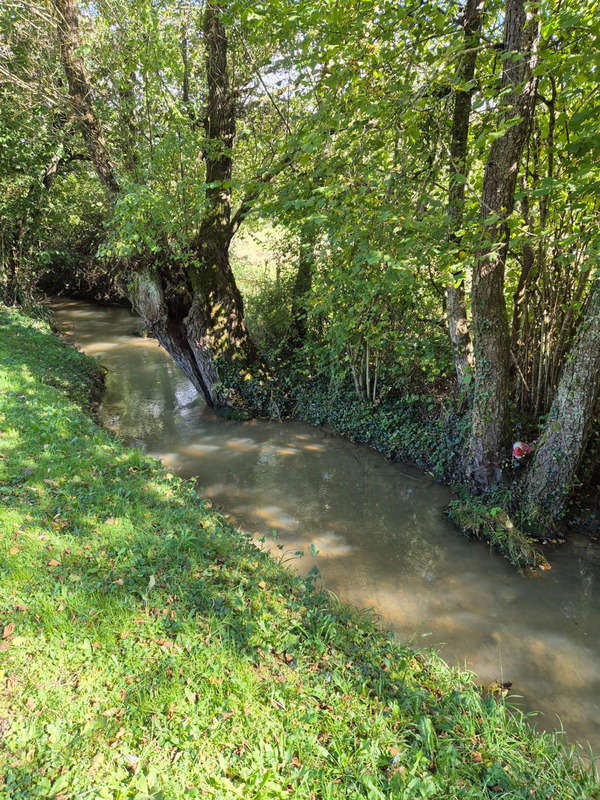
378,529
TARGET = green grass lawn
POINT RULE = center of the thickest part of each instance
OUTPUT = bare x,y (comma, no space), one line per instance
150,650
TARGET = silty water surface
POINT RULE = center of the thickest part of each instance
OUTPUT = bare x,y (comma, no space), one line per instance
380,536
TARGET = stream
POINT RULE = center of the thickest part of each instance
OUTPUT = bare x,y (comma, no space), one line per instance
374,530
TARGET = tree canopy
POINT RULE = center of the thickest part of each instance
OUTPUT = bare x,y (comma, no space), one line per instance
435,168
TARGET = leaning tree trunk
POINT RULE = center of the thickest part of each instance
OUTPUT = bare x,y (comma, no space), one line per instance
195,312
455,293
491,341
80,93
198,317
558,454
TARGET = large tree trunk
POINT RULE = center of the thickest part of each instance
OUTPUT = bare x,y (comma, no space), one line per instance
455,294
560,449
80,92
195,312
215,323
302,284
491,342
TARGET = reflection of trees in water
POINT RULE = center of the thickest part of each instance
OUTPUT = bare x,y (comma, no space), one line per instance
140,398
142,383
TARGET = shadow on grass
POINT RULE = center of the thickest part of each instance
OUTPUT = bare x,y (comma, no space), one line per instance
121,582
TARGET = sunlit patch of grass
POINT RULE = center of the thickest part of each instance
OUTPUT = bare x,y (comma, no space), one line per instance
150,650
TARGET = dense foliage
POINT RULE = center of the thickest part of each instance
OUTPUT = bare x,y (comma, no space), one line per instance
433,168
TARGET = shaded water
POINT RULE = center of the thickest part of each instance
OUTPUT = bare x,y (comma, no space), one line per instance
381,537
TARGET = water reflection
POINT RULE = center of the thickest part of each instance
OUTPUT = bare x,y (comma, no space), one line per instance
378,530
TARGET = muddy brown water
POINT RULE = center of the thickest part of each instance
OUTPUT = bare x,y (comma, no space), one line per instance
374,530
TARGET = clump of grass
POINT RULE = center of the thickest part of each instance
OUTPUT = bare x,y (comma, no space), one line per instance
490,522
150,650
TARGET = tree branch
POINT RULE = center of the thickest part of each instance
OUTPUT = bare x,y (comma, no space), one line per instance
257,186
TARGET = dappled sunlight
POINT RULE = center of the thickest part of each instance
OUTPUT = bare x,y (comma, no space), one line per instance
332,545
232,493
198,448
171,460
374,530
276,518
241,444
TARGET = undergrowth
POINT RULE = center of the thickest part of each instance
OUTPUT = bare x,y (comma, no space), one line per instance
412,429
150,650
486,519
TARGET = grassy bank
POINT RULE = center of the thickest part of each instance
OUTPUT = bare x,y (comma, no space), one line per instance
149,650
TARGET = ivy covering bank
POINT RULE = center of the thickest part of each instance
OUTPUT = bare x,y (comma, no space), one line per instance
150,650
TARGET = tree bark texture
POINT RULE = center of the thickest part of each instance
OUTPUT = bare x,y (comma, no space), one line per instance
491,341
215,320
80,92
560,449
455,294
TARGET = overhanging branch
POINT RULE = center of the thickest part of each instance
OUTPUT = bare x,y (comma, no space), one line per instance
257,186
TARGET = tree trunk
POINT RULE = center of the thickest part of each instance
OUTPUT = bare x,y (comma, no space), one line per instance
455,294
196,312
560,449
302,285
80,92
215,320
491,342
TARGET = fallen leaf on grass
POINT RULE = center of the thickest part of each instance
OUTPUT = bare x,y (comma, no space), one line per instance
12,682
477,757
8,630
132,762
14,550
53,563
97,761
